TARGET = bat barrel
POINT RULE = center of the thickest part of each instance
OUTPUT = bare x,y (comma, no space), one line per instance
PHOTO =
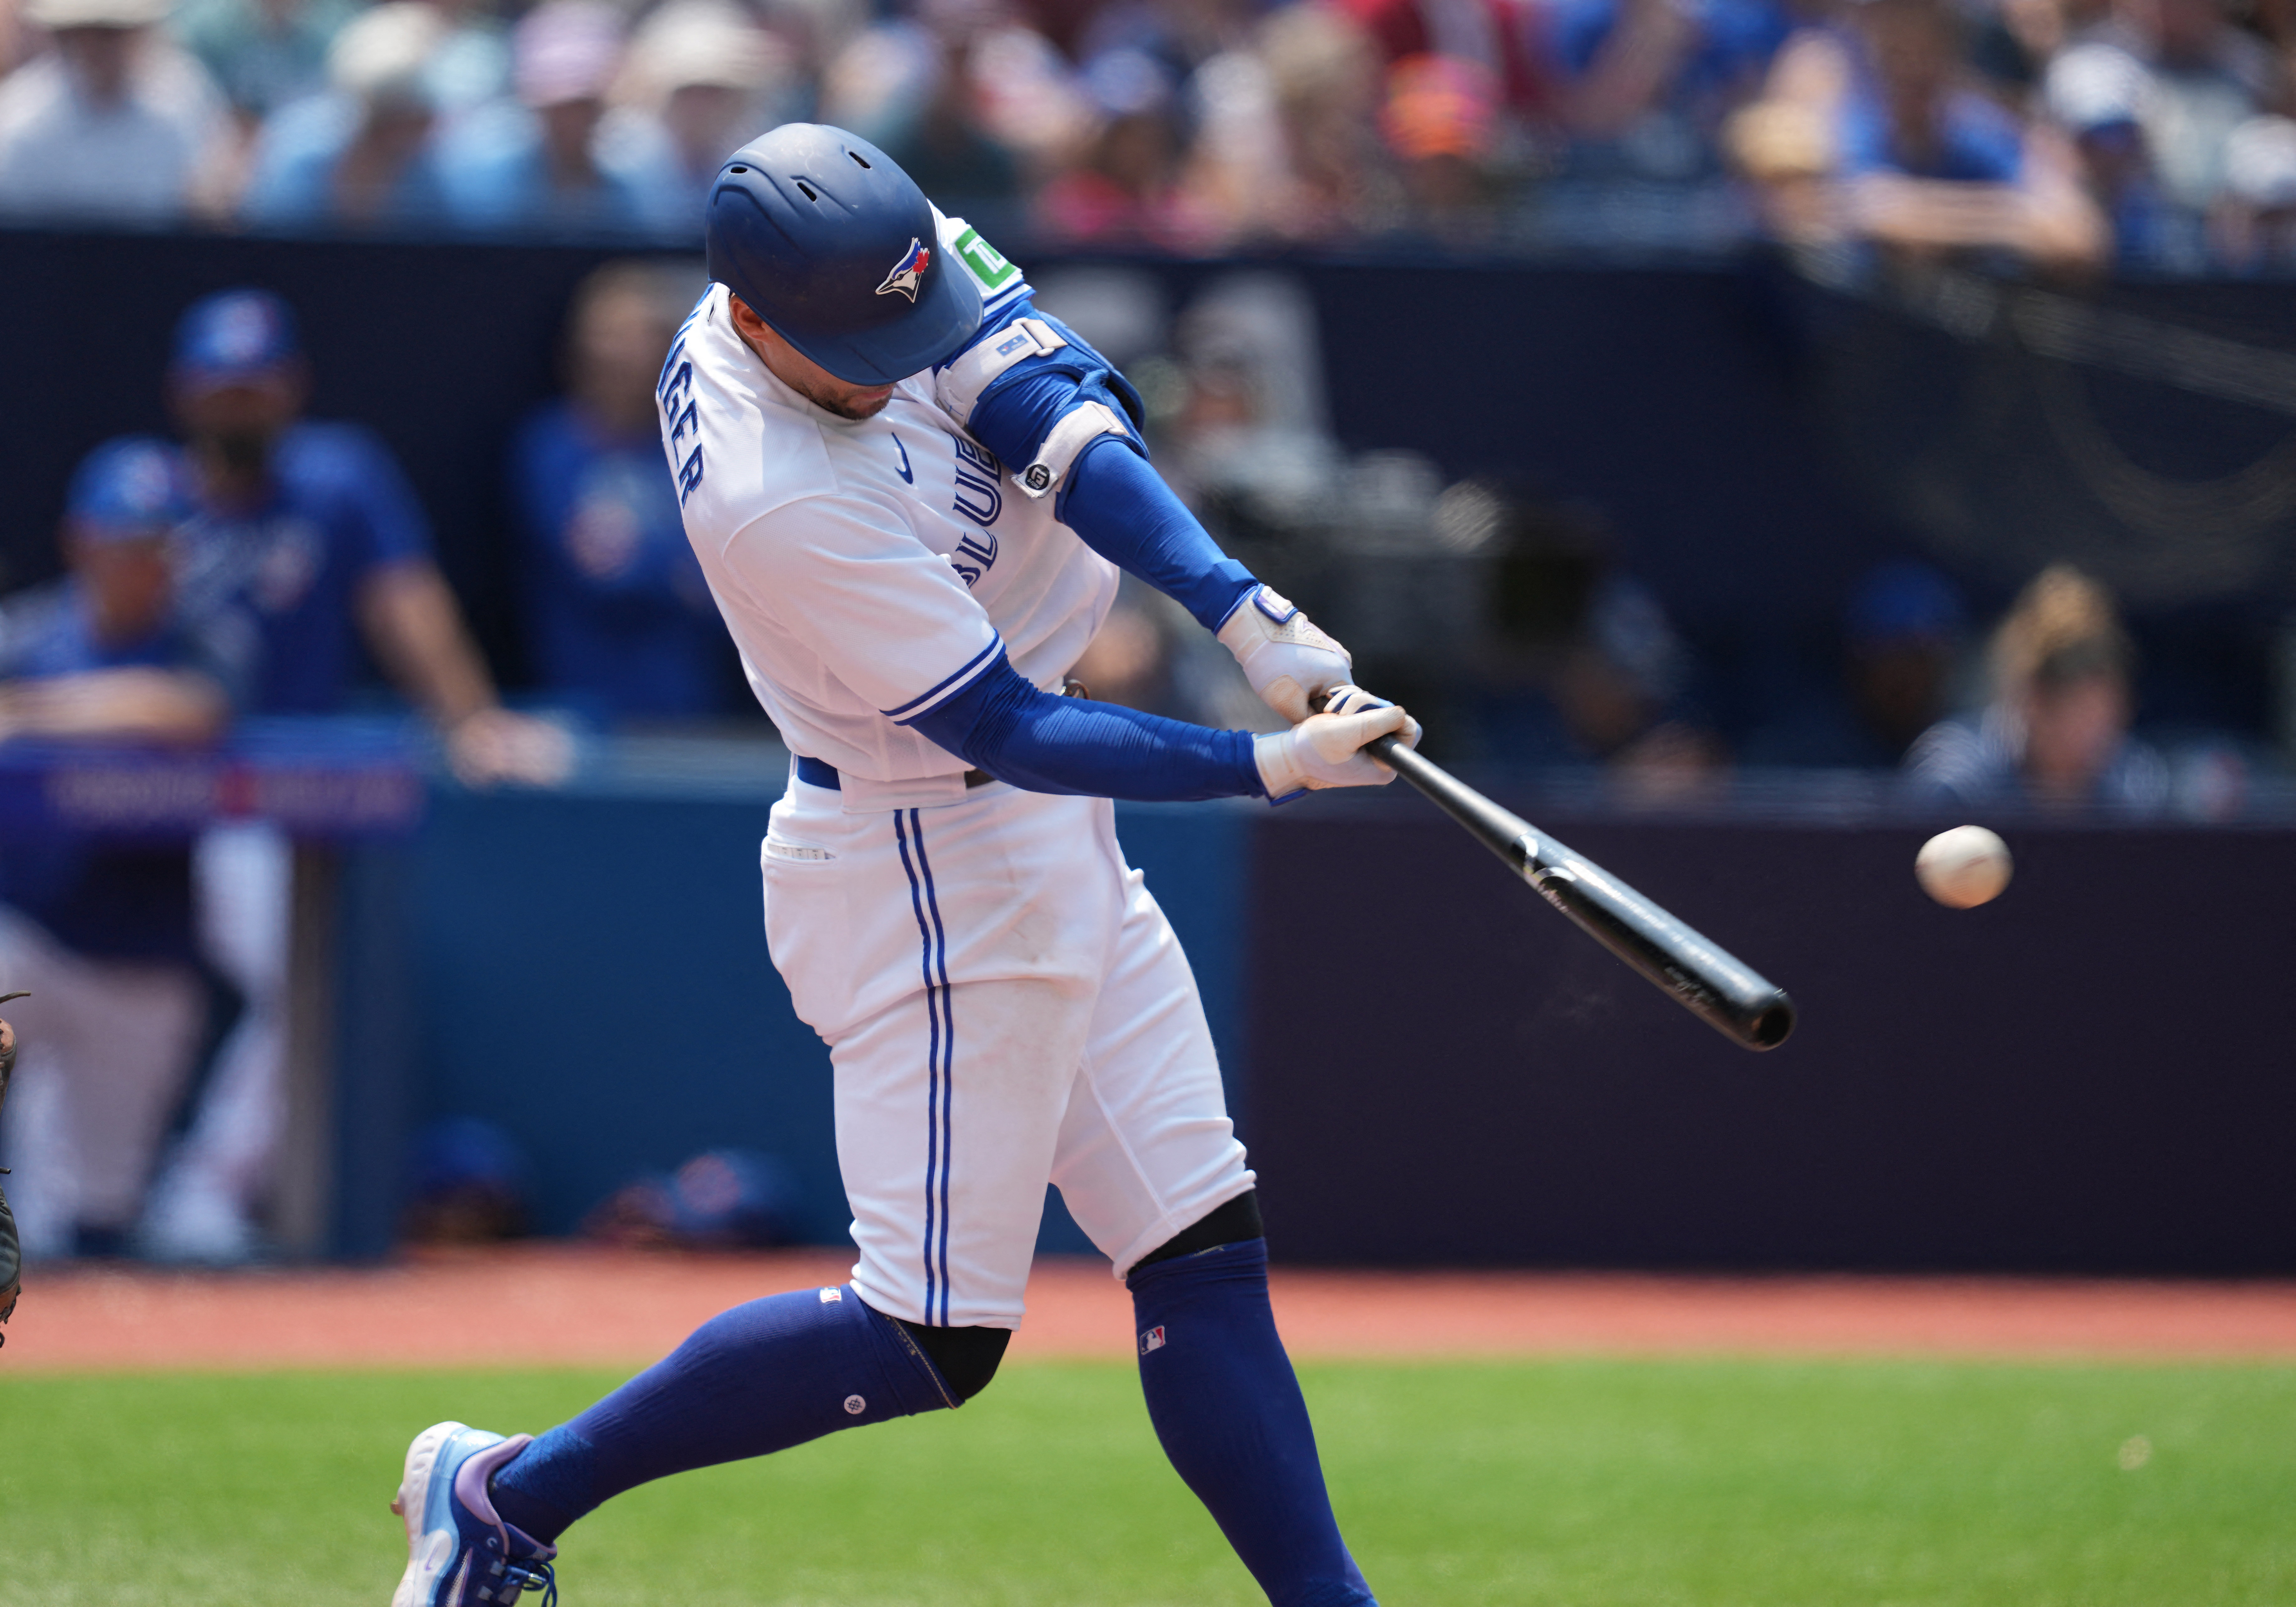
1705,979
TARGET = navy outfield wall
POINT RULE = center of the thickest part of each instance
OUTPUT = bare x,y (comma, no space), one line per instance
2095,1074
2092,1075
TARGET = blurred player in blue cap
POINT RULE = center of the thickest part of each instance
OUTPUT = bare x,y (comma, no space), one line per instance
309,537
311,531
102,933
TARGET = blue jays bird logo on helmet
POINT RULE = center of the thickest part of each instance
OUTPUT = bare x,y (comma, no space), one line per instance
909,273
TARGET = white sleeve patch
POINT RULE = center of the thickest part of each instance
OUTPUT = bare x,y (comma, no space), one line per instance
958,388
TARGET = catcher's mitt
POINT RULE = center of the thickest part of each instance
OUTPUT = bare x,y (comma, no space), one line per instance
12,1258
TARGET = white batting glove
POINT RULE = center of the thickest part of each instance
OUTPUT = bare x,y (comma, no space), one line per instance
1287,659
1326,750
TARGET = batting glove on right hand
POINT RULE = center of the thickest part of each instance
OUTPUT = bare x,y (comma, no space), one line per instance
1326,749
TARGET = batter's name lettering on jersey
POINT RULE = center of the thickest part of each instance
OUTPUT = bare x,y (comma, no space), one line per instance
1154,1339
681,412
989,265
678,347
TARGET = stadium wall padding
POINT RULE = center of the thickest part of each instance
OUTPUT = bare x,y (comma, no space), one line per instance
590,973
2092,1075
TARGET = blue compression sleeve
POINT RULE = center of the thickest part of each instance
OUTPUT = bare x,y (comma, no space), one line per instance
1042,743
1113,500
1123,509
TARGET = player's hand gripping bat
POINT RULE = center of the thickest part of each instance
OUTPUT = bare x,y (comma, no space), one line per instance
1706,980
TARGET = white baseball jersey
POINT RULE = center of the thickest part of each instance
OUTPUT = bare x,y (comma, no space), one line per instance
869,570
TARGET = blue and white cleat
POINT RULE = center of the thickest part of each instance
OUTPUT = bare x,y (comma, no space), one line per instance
459,1552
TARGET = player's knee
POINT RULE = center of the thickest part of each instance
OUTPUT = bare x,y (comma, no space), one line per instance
1232,1222
966,1358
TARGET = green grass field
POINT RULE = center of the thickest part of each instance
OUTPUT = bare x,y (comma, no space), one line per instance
1681,1483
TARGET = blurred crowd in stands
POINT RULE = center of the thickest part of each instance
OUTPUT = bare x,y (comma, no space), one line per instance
2069,136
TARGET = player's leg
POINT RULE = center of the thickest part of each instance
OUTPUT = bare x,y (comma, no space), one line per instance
950,1099
1150,1168
945,1173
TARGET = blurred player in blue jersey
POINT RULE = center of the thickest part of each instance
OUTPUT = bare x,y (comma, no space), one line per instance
102,933
309,534
619,621
912,495
311,531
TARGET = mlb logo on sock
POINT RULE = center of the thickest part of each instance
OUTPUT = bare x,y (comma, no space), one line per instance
1154,1339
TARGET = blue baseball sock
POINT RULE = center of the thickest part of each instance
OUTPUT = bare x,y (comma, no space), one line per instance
760,1378
1224,1400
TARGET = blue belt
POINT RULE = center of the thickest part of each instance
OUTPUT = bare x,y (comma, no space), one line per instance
814,773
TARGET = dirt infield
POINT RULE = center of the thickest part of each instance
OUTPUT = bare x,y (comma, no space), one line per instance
544,1304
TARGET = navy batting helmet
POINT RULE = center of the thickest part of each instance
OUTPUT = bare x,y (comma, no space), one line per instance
833,246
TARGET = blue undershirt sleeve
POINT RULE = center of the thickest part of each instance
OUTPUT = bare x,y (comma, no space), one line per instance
1041,744
1121,508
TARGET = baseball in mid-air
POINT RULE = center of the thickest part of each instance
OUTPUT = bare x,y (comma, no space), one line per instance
1963,868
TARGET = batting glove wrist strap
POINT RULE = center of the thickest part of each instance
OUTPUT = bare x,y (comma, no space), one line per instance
1287,659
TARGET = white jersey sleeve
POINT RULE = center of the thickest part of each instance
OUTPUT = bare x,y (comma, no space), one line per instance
882,613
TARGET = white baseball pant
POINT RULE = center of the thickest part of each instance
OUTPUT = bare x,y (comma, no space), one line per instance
1004,1005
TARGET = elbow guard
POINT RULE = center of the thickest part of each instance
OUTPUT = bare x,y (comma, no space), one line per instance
1036,395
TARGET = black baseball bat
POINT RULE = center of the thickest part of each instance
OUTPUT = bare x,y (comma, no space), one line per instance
1701,976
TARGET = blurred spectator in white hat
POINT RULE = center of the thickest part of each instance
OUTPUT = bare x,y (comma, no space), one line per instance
2102,97
2206,77
2255,220
113,123
262,53
536,163
360,155
702,80
472,65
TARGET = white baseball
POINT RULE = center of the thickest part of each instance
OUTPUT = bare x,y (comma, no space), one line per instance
1963,868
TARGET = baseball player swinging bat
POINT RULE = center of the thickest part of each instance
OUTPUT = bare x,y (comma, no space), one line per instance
1705,979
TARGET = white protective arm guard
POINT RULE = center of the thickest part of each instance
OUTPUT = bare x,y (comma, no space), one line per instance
1287,659
1326,749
